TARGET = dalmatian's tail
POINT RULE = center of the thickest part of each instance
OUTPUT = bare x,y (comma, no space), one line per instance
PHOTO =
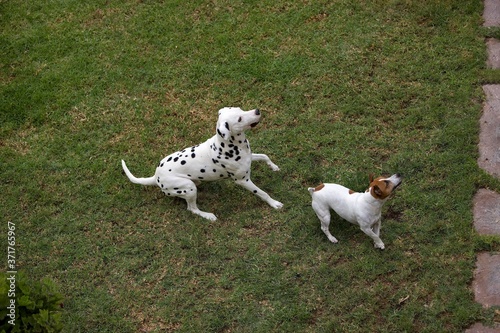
133,179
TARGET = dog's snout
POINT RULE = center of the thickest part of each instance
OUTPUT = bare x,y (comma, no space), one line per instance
257,112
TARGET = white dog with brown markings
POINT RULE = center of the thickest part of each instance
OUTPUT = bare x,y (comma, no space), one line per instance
363,209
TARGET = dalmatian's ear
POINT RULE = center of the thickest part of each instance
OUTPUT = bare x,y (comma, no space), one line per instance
223,130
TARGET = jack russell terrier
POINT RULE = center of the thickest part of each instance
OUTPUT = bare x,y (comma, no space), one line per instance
363,209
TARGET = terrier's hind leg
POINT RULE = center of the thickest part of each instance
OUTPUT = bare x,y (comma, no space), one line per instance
323,214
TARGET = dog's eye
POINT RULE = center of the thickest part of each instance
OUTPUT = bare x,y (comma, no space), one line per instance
239,119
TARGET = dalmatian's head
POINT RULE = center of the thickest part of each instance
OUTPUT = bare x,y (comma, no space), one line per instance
233,121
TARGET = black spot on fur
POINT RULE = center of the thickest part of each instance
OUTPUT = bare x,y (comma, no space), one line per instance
193,155
176,159
238,158
202,170
169,159
183,162
226,125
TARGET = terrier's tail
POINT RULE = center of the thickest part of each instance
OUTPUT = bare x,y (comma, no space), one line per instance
315,189
133,179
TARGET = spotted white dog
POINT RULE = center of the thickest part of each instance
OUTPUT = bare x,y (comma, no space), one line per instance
225,155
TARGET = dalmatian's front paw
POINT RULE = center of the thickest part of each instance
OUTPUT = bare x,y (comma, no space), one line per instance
210,216
274,167
276,204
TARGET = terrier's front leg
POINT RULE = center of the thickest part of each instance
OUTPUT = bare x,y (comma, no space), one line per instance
376,239
376,228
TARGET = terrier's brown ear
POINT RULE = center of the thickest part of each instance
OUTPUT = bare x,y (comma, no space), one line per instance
377,191
371,177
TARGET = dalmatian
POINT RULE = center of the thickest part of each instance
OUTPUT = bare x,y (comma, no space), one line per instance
225,155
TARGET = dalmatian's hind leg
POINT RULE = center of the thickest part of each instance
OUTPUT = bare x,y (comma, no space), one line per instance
187,190
191,206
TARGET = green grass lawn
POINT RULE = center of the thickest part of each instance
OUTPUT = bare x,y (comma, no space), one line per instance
346,88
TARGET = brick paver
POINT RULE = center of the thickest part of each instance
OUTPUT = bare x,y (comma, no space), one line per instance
487,212
493,47
491,13
486,282
480,328
489,136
